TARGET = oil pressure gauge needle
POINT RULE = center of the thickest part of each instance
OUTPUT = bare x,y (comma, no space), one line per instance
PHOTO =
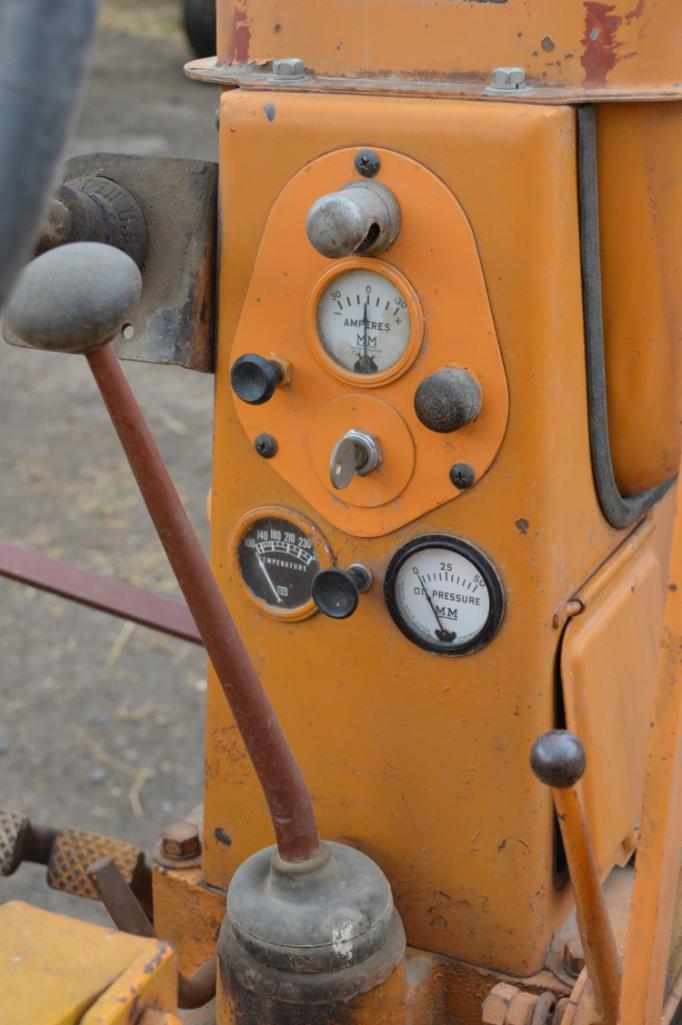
441,633
268,577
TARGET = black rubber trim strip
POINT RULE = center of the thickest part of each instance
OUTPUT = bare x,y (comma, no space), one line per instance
620,510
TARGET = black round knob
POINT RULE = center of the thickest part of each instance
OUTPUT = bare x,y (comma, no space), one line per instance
336,593
447,400
254,378
558,759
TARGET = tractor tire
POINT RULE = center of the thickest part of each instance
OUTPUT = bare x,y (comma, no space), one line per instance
199,21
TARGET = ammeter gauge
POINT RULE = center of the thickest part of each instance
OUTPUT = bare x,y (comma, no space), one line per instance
277,553
367,323
444,594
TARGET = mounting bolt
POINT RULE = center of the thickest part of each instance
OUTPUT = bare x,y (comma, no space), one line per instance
574,957
462,476
507,80
367,163
266,446
180,841
288,68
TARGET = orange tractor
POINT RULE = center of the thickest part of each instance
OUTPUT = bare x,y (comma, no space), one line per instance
443,611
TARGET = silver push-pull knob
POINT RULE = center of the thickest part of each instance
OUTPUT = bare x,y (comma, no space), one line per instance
357,453
363,218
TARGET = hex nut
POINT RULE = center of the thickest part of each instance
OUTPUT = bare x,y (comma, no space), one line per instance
181,841
521,1009
496,1004
508,79
288,67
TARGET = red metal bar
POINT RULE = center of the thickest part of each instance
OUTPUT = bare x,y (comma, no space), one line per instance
287,796
112,596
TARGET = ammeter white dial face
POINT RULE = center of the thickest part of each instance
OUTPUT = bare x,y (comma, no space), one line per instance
363,321
444,595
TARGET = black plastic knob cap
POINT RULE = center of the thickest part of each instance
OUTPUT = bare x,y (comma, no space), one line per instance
254,378
336,593
558,759
447,400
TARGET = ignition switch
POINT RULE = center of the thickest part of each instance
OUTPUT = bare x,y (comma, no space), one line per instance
363,217
356,454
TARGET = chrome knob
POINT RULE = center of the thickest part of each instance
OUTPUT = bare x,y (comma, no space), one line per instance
363,217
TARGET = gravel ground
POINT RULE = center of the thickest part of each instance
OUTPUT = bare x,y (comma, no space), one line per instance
101,721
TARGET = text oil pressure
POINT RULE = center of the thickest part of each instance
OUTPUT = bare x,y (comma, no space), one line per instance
444,594
277,553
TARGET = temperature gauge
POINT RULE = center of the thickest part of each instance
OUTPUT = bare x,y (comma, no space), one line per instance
367,322
444,594
277,553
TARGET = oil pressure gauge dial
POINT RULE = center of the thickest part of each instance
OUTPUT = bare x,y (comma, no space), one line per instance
444,594
366,323
277,553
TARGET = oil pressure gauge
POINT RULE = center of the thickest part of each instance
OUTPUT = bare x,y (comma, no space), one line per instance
444,594
366,323
276,554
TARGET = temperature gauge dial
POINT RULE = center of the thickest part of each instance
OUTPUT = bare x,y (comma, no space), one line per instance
444,594
366,323
277,554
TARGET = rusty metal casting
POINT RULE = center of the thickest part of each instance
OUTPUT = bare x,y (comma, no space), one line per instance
112,596
129,916
288,799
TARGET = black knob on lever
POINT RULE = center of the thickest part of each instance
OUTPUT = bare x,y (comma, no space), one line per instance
336,592
558,759
254,378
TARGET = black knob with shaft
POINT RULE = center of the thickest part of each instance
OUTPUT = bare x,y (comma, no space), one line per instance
336,592
255,378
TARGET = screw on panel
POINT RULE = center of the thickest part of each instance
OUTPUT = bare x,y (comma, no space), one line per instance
506,80
367,163
288,68
266,446
462,476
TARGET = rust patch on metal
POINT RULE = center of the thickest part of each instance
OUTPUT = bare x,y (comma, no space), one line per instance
600,53
602,48
240,37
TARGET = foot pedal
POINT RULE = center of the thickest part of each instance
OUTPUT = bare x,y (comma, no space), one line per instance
75,850
14,829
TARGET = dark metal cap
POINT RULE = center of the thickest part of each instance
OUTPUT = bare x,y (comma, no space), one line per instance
558,759
74,298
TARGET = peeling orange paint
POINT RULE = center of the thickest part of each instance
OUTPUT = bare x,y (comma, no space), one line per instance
600,43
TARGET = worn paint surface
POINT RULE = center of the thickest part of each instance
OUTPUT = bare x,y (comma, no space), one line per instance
618,47
61,971
398,744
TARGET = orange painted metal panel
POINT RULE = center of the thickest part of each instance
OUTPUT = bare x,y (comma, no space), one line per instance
436,253
624,47
608,671
640,196
423,761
